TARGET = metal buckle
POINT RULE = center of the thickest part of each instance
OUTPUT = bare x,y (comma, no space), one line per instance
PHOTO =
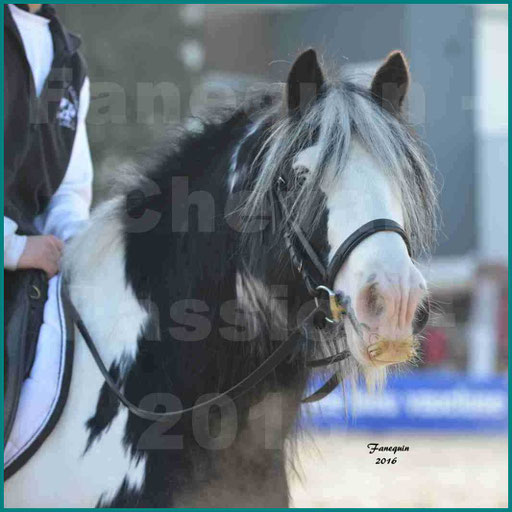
337,310
35,293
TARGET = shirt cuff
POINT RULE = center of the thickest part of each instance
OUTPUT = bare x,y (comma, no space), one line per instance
13,250
70,229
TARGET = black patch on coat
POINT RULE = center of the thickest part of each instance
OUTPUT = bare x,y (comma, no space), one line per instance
106,408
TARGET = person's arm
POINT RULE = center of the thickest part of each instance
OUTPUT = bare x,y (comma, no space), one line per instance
69,206
14,244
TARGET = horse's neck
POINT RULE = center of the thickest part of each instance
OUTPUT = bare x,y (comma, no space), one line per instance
125,278
110,270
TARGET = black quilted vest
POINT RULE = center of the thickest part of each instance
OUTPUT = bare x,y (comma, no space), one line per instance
38,131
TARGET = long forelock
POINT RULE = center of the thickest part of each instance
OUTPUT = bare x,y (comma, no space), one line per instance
346,111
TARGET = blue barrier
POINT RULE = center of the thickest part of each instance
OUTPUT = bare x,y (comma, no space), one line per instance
421,400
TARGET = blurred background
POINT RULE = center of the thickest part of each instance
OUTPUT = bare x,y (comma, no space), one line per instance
154,66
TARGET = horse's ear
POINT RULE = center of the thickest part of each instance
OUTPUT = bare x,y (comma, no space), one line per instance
305,82
391,82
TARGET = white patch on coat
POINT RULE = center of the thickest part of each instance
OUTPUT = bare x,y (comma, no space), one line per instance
362,192
95,264
60,474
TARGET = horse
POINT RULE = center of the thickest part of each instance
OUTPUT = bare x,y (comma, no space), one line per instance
191,279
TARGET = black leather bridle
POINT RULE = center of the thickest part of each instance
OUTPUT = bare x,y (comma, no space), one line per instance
333,313
328,275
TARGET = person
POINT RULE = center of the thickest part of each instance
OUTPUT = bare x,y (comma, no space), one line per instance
47,162
47,178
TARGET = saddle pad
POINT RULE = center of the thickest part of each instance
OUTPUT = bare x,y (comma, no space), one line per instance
44,391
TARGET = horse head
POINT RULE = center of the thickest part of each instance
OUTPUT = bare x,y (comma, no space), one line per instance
341,156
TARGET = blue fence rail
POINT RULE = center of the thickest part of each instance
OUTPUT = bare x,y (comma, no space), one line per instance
421,400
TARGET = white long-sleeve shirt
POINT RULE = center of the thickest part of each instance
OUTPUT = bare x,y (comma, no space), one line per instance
69,206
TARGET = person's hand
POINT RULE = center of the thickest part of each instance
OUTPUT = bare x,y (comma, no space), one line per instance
43,252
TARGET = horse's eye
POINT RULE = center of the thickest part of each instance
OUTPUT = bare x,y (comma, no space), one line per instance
301,173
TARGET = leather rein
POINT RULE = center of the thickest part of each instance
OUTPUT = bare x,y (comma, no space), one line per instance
334,308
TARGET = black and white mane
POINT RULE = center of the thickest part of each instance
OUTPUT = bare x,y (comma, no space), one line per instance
203,256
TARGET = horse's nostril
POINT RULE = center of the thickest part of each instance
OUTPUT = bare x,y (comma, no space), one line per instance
373,300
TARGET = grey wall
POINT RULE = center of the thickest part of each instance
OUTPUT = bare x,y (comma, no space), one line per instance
440,46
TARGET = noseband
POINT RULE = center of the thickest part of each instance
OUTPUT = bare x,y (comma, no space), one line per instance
334,312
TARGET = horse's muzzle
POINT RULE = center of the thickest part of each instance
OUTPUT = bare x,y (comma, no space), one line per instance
392,351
